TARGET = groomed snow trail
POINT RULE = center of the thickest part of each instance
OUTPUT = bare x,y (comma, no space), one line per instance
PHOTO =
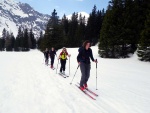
28,86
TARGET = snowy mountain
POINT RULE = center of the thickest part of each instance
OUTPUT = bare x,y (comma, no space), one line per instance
14,14
82,13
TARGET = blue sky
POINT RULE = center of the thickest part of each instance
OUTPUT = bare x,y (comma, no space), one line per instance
65,6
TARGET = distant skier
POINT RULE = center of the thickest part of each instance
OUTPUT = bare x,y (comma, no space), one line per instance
52,56
83,58
46,55
63,57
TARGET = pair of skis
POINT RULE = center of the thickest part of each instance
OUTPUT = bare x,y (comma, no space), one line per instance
53,68
88,92
63,75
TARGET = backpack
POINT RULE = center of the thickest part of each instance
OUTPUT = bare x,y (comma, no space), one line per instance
64,56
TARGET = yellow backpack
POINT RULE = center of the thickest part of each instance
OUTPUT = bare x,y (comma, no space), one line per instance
63,56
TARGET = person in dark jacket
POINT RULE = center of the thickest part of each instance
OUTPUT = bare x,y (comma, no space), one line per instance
52,56
83,59
46,55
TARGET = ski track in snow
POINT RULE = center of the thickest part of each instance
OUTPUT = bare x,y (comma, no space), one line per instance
27,85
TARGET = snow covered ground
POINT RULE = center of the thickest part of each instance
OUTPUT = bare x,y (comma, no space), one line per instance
28,86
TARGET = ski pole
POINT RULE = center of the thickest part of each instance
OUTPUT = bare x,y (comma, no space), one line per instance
96,74
57,66
43,60
74,75
69,65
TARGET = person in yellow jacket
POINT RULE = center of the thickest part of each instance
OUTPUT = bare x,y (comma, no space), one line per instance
63,57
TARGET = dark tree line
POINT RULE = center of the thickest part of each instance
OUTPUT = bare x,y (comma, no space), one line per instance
144,43
71,33
23,42
120,30
125,28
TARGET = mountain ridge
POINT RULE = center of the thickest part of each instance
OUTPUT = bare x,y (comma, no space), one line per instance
14,14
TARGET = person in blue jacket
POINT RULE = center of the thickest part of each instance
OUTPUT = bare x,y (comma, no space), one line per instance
83,59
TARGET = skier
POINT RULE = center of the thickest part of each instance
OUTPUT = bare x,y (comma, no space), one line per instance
83,59
63,57
52,56
46,55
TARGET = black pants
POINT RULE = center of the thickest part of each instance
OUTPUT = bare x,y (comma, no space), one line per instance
52,60
85,71
46,60
63,65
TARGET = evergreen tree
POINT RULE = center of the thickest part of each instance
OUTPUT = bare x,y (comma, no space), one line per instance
53,33
80,32
73,26
111,31
12,41
8,42
104,35
94,25
19,42
121,28
33,41
54,19
65,24
91,25
98,25
65,28
0,44
134,17
4,35
29,42
21,39
144,44
39,44
24,40
71,33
